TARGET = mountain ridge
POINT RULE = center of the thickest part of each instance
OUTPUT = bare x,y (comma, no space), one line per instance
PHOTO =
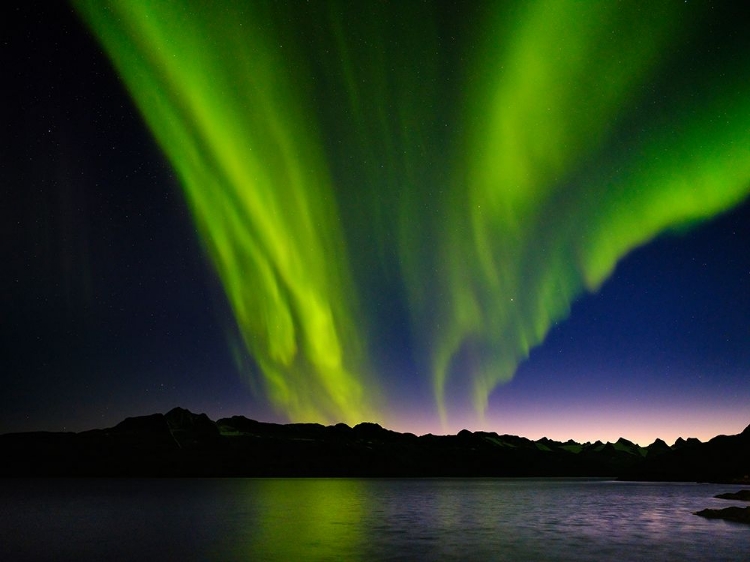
183,443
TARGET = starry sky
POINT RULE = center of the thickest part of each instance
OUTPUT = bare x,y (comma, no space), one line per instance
522,217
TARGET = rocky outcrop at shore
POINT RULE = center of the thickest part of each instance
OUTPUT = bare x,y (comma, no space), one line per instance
734,513
742,495
737,514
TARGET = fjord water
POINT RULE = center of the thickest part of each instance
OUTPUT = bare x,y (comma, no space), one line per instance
363,519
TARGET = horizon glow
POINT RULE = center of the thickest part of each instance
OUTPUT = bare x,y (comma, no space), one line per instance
324,167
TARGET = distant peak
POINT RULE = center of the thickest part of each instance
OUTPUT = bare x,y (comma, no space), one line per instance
368,426
179,409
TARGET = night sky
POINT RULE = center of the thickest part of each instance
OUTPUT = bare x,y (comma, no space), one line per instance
528,218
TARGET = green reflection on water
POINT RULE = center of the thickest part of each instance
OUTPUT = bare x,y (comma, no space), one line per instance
304,519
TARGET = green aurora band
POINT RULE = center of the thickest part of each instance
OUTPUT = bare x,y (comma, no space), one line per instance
485,167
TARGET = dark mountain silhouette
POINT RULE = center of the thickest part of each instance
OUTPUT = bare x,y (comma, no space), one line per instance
725,458
181,443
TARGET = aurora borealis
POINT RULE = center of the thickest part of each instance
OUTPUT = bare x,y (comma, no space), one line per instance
402,200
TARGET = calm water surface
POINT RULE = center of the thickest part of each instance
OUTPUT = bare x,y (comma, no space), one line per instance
363,519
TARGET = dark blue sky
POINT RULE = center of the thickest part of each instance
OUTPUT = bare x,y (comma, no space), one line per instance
663,347
110,309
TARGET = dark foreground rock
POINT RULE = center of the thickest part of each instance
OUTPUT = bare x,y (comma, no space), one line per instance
737,514
181,443
742,495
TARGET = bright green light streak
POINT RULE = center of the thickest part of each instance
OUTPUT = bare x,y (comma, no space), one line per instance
215,86
544,216
493,226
